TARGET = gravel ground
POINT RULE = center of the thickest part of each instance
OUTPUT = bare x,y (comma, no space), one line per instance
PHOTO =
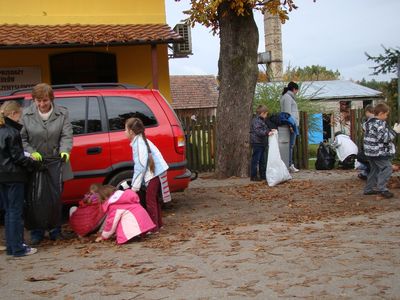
314,237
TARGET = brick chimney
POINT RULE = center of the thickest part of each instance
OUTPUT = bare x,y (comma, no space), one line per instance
273,43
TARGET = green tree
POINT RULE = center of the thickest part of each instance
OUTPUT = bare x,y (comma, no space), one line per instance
269,94
310,73
233,20
381,86
386,62
389,62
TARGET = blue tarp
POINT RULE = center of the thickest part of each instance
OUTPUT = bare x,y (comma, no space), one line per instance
315,134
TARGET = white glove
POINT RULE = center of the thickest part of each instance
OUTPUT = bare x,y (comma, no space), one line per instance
396,127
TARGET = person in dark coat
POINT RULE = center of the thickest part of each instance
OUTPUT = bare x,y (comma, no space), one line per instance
47,132
14,167
259,131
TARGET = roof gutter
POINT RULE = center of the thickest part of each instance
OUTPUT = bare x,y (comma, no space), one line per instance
78,45
347,98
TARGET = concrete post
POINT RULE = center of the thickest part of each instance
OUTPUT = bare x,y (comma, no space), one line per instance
273,43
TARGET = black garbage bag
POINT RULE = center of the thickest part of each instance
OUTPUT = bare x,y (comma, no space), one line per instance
325,157
142,195
43,207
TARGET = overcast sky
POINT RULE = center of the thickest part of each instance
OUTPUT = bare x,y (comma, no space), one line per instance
330,33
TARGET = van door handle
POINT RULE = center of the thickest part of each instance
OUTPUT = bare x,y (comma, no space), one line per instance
94,150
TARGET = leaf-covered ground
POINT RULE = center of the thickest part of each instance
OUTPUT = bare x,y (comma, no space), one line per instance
315,237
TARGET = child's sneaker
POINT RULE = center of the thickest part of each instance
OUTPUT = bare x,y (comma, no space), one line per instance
255,179
362,176
28,251
372,192
387,194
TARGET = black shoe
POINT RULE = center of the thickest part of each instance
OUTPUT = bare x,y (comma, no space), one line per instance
255,179
371,193
362,176
35,241
56,238
387,194
65,235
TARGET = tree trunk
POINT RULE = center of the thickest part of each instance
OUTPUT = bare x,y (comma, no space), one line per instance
238,72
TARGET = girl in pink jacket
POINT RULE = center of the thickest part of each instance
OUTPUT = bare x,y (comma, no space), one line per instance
126,218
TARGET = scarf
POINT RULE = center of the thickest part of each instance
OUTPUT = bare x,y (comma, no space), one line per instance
45,116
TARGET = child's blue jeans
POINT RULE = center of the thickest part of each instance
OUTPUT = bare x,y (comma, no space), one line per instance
258,161
12,200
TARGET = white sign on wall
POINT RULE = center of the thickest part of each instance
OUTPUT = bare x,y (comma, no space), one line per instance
19,77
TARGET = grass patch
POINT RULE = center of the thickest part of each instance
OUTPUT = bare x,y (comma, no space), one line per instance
312,150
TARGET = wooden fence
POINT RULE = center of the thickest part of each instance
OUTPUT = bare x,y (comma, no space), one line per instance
300,153
201,143
201,140
356,131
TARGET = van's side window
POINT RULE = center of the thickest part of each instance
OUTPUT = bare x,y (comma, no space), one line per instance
84,113
94,120
121,108
77,112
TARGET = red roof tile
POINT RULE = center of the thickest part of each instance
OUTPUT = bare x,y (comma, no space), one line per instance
194,91
32,36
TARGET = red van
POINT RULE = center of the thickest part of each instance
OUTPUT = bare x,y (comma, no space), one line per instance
101,153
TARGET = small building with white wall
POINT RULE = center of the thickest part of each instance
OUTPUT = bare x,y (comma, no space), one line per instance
336,99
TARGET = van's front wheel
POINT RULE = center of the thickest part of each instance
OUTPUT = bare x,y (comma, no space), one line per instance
122,180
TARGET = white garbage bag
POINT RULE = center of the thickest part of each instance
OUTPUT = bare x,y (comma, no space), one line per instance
277,171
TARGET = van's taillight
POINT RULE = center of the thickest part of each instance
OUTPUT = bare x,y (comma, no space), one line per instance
179,139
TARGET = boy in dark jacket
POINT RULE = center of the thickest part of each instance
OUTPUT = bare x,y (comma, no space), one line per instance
259,131
14,166
379,150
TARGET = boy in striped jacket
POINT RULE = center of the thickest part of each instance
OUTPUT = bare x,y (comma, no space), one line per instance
379,150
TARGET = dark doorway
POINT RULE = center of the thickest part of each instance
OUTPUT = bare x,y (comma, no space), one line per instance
327,126
83,67
367,102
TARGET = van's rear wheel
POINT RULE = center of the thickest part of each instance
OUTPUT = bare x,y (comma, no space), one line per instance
122,180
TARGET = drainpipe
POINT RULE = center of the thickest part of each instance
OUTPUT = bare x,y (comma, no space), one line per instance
154,66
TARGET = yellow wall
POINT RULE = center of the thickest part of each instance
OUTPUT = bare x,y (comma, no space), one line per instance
50,12
133,63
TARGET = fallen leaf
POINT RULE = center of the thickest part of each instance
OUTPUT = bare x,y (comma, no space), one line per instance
40,278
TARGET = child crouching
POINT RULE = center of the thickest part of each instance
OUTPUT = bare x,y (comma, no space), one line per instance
89,215
125,217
